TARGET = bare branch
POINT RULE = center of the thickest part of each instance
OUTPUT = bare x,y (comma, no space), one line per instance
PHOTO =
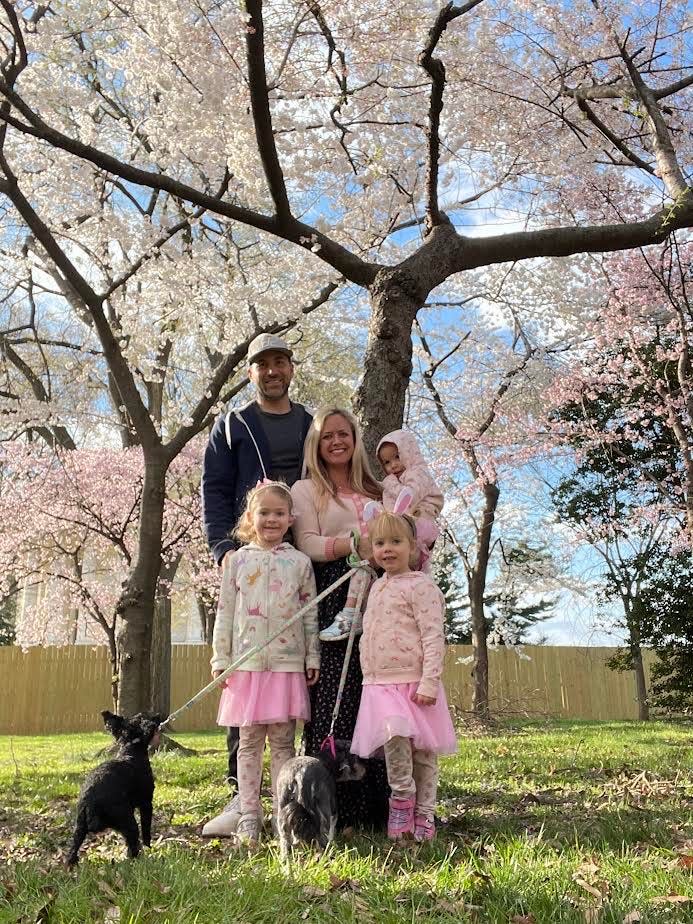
435,69
620,145
262,117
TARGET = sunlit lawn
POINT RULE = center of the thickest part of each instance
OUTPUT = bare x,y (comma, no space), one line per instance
547,822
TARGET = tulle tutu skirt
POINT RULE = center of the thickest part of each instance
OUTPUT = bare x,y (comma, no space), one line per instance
387,711
263,698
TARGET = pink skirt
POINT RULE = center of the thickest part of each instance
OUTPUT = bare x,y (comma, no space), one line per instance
388,711
263,698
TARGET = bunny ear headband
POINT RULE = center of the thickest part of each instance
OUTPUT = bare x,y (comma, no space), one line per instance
373,509
268,483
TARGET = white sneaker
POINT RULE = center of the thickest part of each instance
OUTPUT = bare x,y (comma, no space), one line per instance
341,627
226,822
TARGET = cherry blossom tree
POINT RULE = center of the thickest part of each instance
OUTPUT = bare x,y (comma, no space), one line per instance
70,525
627,395
351,126
341,143
624,405
483,431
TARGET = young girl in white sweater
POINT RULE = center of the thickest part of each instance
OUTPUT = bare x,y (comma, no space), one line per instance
264,584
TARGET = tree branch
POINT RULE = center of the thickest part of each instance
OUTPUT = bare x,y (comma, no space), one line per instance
93,303
620,145
435,69
226,368
262,117
348,264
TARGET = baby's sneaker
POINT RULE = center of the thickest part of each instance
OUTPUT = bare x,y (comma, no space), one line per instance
424,829
341,627
400,822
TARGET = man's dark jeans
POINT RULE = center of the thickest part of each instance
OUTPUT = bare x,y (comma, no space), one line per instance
232,745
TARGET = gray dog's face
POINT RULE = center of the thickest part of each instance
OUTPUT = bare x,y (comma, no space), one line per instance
350,768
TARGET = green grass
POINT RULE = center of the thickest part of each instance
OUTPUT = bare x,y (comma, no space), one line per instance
547,822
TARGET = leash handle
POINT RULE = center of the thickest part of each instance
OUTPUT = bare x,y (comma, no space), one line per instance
218,681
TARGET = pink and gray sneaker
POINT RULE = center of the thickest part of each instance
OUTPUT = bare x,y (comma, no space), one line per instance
424,829
400,822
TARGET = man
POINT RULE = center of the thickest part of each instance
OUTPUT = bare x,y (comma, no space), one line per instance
264,439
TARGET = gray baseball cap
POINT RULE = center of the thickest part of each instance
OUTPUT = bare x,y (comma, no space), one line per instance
264,342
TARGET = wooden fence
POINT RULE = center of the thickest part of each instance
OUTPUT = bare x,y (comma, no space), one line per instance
47,690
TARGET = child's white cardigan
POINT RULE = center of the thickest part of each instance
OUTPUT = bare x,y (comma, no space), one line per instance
260,590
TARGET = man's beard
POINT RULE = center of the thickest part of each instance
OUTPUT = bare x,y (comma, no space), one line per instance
275,395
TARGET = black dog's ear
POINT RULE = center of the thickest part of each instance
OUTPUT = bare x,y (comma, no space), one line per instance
114,723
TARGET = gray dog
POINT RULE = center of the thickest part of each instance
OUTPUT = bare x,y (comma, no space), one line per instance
307,796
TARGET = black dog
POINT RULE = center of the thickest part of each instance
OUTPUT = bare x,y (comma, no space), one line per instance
115,788
307,796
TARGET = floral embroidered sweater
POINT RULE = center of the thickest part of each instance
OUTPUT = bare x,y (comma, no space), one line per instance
403,637
261,589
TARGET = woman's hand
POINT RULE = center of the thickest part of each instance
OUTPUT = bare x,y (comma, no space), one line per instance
217,673
312,674
422,700
365,549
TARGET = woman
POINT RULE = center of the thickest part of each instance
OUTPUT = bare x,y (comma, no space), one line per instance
328,505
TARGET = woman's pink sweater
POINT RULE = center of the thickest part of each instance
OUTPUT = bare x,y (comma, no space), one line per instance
315,531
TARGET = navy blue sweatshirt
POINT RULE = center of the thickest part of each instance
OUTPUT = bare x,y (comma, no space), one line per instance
237,457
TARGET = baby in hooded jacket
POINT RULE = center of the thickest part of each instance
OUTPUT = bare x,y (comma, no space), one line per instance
405,467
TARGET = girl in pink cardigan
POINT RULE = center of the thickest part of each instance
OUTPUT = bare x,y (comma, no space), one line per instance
403,707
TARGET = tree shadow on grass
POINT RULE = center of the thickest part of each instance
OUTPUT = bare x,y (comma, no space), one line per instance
591,825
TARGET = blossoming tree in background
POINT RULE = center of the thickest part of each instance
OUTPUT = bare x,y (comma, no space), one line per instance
70,528
625,405
337,141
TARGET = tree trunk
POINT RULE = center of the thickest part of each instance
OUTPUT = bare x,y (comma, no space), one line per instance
136,605
380,398
161,642
160,696
73,616
480,705
477,591
633,625
638,666
207,615
640,683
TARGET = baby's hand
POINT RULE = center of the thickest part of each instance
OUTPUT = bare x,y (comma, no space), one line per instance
312,674
422,700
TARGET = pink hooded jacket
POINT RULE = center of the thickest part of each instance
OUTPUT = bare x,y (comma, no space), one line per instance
428,499
403,637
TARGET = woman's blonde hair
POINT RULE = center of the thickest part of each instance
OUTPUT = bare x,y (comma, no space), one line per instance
245,531
393,526
361,478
